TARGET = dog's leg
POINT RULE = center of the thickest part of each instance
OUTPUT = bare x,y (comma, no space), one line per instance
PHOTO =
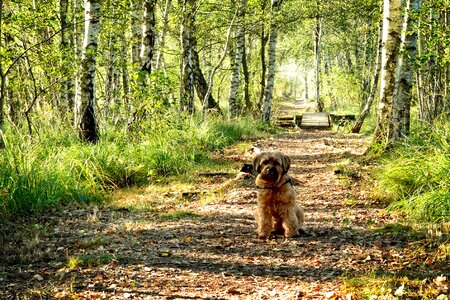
264,223
290,224
301,220
277,225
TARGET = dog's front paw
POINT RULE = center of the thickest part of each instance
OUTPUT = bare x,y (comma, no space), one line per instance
291,233
263,235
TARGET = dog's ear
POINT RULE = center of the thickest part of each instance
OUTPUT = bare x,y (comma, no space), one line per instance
255,162
286,162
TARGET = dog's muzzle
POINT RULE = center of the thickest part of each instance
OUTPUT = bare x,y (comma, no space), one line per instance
270,173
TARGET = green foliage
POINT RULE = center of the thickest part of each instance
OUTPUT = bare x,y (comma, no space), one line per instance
415,175
341,91
84,261
57,168
177,215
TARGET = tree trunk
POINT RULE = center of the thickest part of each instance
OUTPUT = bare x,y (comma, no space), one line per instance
246,73
401,109
162,38
317,37
187,69
237,61
125,72
149,36
88,123
136,30
273,34
66,93
219,63
77,36
201,86
264,39
2,82
112,73
375,77
389,55
306,84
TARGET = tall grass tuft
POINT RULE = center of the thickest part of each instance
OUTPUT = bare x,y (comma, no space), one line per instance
416,175
55,167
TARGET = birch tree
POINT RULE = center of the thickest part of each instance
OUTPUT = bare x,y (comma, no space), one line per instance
263,43
389,55
237,61
2,81
317,37
404,75
187,68
271,66
375,78
66,93
162,38
136,15
191,72
88,123
148,36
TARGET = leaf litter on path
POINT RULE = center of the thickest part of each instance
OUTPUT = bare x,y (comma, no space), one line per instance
169,248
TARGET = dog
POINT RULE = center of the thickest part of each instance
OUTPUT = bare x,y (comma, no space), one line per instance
277,210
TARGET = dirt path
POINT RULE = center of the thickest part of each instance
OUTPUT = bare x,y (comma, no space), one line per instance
183,249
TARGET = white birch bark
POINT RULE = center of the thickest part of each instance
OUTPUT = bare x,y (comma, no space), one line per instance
77,40
271,66
136,30
148,36
162,39
88,122
389,55
404,75
237,63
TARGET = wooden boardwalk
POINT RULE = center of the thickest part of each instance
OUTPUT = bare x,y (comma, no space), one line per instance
316,120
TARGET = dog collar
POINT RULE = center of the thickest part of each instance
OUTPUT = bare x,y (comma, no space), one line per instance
289,180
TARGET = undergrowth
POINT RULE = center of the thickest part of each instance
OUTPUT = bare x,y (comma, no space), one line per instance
56,168
415,175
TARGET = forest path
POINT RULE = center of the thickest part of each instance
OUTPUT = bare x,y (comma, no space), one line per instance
174,245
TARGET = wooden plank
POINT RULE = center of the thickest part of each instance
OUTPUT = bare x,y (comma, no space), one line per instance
320,120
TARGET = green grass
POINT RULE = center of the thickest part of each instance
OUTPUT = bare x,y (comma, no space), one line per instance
414,176
177,215
83,261
56,168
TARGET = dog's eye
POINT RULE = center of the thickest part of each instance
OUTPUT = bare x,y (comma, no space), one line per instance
264,162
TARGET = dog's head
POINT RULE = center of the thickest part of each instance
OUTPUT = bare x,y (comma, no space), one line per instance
271,166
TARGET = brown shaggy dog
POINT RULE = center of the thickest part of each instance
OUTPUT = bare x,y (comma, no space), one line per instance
277,210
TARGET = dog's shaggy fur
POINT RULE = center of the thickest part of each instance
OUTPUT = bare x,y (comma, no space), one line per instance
277,210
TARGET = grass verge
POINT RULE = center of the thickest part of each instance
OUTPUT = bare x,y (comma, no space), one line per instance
55,168
414,176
